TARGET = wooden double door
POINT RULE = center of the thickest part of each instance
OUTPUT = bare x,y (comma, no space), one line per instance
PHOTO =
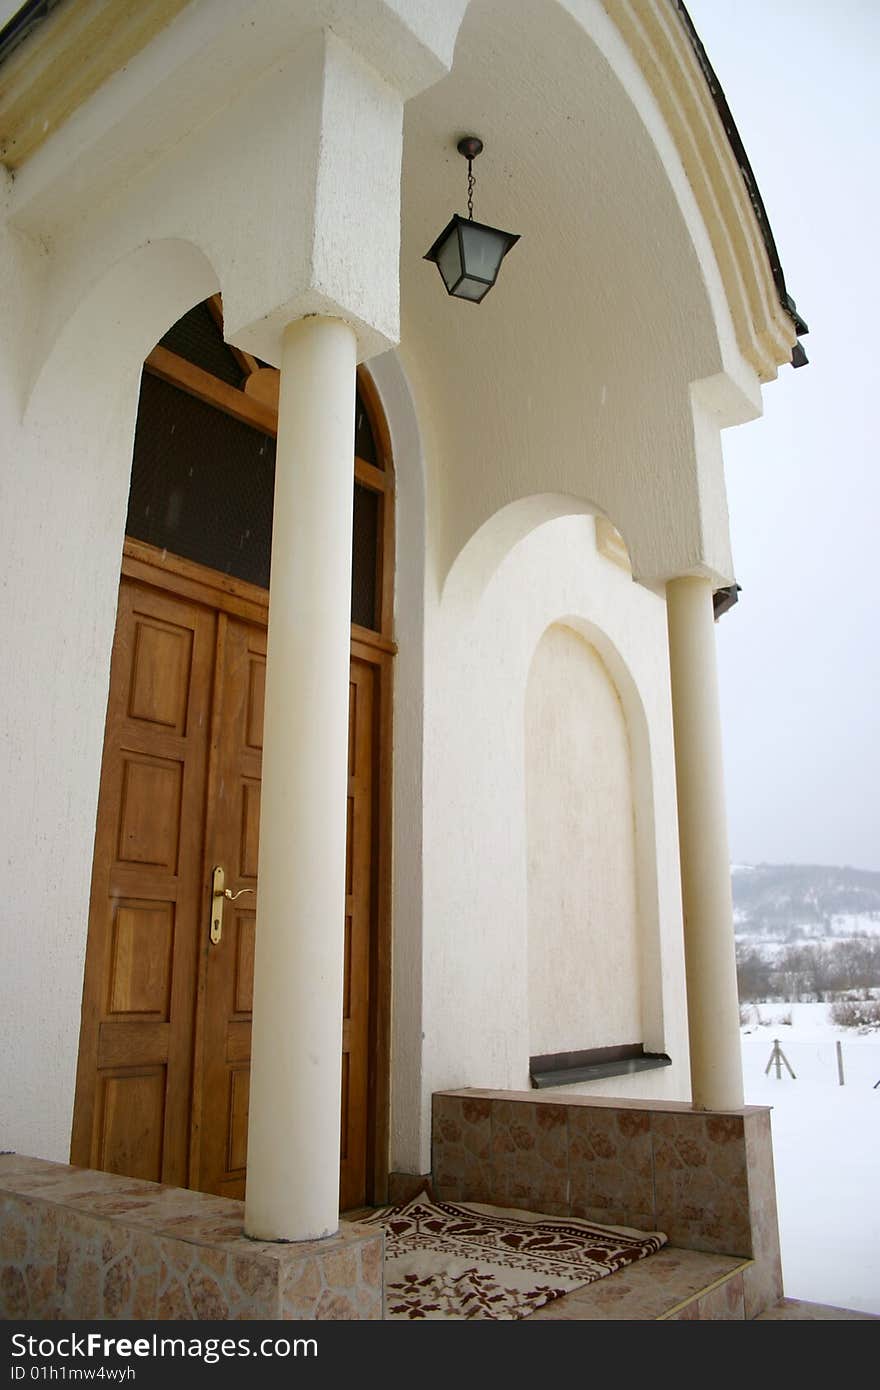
164,1061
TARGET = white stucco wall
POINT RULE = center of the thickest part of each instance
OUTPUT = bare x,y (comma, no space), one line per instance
579,365
480,640
174,181
584,966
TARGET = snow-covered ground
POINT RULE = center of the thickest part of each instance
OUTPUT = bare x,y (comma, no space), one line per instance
826,1145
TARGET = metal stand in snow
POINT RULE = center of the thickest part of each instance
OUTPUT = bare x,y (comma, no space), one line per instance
777,1057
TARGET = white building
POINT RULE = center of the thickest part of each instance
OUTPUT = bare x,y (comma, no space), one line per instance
533,875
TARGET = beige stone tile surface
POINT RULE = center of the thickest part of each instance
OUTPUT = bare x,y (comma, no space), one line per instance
794,1309
611,1167
649,1290
557,1097
77,1244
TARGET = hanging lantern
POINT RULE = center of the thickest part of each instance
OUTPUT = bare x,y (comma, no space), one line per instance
468,254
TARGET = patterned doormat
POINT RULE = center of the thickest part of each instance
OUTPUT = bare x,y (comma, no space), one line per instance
450,1260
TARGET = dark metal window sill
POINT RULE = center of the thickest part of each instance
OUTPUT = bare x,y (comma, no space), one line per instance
543,1078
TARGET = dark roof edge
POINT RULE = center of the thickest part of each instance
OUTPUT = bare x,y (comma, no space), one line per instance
21,24
745,168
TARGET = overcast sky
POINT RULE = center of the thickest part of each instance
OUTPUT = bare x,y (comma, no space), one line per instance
799,657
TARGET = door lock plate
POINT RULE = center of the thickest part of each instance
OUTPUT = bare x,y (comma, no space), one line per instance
218,883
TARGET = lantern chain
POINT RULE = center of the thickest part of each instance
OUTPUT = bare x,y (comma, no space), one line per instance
471,182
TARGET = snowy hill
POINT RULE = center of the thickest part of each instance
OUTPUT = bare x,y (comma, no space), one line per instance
791,902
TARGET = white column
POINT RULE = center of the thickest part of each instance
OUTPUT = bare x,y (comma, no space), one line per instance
296,1058
713,1006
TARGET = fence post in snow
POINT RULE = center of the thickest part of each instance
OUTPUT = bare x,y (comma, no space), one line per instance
777,1056
840,1062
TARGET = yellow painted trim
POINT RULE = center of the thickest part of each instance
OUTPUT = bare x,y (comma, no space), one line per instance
77,48
657,40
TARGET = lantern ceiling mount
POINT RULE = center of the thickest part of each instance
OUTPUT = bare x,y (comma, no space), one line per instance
468,254
470,146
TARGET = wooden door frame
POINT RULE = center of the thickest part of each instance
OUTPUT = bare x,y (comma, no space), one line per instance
185,578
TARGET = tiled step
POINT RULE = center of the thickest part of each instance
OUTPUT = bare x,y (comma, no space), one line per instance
674,1284
796,1310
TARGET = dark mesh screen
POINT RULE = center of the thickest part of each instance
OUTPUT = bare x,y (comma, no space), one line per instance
365,528
202,486
201,483
364,443
197,338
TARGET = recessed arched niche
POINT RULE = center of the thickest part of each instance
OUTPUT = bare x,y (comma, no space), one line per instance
583,932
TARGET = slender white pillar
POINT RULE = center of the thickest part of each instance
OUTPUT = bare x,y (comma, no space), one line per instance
710,960
296,1057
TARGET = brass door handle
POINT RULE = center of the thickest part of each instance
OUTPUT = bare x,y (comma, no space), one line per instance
219,892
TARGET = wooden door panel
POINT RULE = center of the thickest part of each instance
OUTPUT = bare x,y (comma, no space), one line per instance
135,1066
234,826
141,958
133,1044
150,801
249,829
163,1081
256,701
243,988
159,684
238,1040
131,1126
239,1100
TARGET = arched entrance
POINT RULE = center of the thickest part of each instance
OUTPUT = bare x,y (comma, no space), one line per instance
163,1075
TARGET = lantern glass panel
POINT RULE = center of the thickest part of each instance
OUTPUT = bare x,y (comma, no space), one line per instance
484,249
449,259
472,289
